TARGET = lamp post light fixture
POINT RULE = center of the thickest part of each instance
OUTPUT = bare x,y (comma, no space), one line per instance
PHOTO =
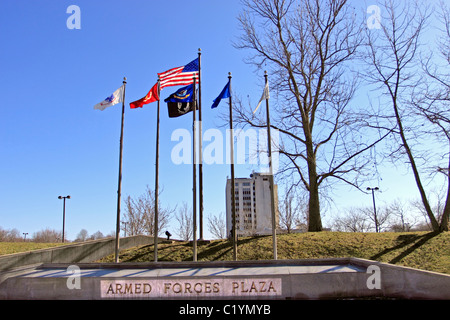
374,207
25,236
64,213
125,223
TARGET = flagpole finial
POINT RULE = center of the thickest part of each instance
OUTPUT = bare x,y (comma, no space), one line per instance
229,74
124,79
199,50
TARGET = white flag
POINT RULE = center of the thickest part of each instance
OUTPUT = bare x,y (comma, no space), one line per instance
113,99
265,96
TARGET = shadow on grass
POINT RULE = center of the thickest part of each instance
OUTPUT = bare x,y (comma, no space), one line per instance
166,253
147,253
225,246
404,241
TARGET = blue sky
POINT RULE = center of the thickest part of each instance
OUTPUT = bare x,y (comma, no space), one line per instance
54,143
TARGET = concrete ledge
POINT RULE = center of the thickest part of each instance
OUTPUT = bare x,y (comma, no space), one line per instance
72,253
410,283
345,278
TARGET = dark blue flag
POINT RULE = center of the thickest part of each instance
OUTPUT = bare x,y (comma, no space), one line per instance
185,94
181,101
224,94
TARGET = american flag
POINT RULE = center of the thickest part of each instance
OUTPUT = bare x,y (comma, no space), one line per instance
179,76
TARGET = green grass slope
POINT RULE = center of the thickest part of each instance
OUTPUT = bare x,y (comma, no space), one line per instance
422,250
16,247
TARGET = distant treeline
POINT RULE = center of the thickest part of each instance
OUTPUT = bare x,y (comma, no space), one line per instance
47,235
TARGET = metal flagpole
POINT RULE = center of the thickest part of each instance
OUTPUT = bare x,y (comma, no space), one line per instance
120,175
233,199
272,185
194,180
200,164
155,232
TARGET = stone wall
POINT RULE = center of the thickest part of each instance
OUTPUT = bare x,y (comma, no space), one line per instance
88,251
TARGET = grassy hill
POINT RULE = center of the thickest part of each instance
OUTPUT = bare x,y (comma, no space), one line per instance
16,247
422,250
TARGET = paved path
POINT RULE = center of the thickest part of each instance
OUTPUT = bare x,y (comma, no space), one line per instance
193,272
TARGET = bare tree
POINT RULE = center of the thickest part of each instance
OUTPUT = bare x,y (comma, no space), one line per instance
47,235
354,220
12,235
403,219
140,214
363,219
217,225
97,235
309,47
380,221
288,213
393,54
438,203
82,236
291,209
434,105
134,217
185,225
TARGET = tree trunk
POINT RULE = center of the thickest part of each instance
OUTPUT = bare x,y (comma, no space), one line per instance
315,222
446,213
426,204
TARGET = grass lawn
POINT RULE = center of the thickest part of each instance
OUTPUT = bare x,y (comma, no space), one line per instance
421,250
16,247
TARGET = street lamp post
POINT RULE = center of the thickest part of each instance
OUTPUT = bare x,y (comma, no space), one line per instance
374,207
125,223
64,213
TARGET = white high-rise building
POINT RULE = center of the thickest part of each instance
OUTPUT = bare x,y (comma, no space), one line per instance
253,205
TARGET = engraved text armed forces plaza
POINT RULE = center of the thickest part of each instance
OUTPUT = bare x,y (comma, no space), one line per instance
185,288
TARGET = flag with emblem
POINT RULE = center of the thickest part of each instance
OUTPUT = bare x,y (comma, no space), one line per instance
179,76
151,96
181,101
111,100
